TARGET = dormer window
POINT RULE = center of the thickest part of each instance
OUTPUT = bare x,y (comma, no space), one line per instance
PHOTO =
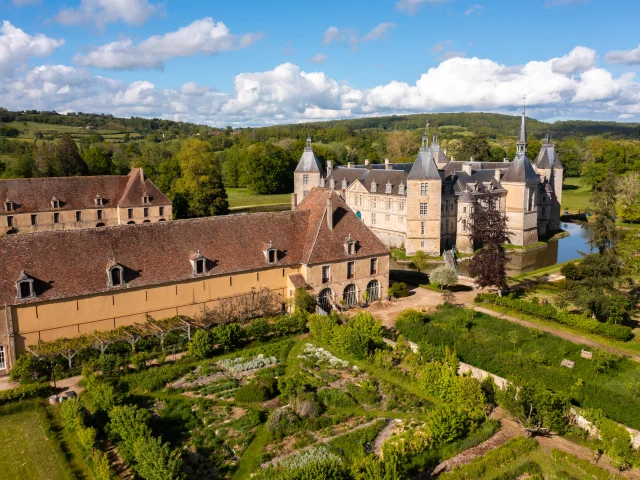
24,287
146,200
332,183
99,201
8,206
350,246
271,253
322,182
388,188
115,274
401,188
344,184
374,186
198,264
55,203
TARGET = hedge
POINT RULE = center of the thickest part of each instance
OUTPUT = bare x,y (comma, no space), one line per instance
23,392
549,312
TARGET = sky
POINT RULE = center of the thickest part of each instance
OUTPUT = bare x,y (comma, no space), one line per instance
254,63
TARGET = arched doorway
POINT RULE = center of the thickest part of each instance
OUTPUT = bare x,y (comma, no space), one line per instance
131,223
325,300
350,295
373,291
98,225
359,215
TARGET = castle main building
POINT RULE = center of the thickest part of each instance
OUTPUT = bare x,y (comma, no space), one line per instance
426,205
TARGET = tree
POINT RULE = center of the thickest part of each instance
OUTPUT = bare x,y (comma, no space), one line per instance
628,187
67,157
444,276
629,251
201,181
156,460
304,300
268,170
489,232
420,260
475,146
401,145
98,160
201,345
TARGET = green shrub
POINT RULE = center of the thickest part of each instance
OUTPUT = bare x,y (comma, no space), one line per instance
336,398
398,290
24,392
155,378
304,301
86,438
101,466
228,336
354,444
257,391
289,324
72,412
202,344
28,369
260,329
365,393
322,327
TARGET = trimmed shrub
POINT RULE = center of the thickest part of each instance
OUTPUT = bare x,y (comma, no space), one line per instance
23,392
398,290
336,398
260,329
257,391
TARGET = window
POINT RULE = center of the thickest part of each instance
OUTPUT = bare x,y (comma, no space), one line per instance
78,216
130,213
424,189
34,220
446,190
116,276
402,204
145,212
146,200
161,211
8,205
446,225
10,221
99,214
351,247
305,193
374,202
305,179
422,244
374,266
373,219
271,255
388,204
3,363
464,209
351,269
531,195
387,188
55,203
200,266
326,274
24,287
422,228
56,218
424,209
98,200
464,225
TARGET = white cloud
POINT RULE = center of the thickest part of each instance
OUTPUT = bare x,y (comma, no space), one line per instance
201,37
103,12
578,59
564,87
378,32
474,9
625,116
16,46
561,3
627,57
412,6
319,58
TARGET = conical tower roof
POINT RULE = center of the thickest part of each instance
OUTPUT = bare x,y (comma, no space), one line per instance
424,168
309,163
548,157
521,170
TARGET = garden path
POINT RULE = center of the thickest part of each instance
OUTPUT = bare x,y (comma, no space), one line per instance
384,435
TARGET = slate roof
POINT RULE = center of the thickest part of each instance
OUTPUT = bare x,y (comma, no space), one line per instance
309,162
520,170
548,157
34,195
424,168
72,263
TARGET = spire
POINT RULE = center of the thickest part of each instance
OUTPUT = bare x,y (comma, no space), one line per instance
308,144
521,146
425,139
547,138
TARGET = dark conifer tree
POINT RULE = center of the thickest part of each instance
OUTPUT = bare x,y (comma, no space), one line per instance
489,233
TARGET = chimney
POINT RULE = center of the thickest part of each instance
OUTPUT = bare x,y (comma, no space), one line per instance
350,164
506,160
472,159
294,201
141,175
329,167
329,213
466,167
366,161
387,165
497,173
453,159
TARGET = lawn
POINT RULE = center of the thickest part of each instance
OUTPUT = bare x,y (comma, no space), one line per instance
243,198
28,131
27,452
575,196
518,354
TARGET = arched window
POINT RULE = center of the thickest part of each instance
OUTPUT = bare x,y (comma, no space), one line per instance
116,275
24,287
350,295
373,291
198,264
325,300
271,253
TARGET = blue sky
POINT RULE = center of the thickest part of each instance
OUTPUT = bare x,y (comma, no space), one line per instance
257,63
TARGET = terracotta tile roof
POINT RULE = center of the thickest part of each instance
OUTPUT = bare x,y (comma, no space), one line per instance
298,281
74,263
35,194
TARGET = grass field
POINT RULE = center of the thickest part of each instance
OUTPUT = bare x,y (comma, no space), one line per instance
28,131
242,198
27,452
575,196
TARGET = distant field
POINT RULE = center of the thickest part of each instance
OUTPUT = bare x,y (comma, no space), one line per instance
26,451
28,131
242,197
575,196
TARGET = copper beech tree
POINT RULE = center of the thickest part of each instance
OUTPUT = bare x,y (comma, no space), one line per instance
489,233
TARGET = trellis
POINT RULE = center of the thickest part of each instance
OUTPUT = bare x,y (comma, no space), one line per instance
70,347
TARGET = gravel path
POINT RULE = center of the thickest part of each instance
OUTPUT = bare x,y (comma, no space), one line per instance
384,435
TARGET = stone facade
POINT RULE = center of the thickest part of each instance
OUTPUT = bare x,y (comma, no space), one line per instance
426,205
